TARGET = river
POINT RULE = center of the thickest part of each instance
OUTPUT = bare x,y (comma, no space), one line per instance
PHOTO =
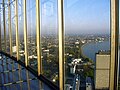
90,49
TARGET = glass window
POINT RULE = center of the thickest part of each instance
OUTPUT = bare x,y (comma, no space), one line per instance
7,29
119,53
2,31
31,33
49,39
14,48
87,43
21,30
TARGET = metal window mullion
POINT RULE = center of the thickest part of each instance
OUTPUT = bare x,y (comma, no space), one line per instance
39,60
4,25
10,30
20,77
0,33
61,44
16,24
114,43
28,81
25,32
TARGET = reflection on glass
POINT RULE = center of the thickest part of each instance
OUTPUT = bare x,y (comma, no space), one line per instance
49,40
7,31
14,48
87,43
31,33
17,78
21,31
2,32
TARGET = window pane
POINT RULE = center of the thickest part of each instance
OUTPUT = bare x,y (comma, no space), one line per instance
87,44
7,29
21,30
2,30
13,29
49,39
31,33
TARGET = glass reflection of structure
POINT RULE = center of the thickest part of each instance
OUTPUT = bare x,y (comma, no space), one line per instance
7,30
3,28
31,33
15,77
21,31
49,40
13,28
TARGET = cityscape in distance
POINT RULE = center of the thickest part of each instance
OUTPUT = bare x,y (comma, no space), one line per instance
86,42
79,68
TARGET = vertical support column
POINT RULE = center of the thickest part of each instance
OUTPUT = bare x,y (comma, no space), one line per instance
10,30
25,32
61,44
0,33
16,23
4,23
114,43
39,60
28,81
20,76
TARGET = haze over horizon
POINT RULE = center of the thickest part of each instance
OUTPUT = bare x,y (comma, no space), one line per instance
80,16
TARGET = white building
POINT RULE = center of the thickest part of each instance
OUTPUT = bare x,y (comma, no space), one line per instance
14,48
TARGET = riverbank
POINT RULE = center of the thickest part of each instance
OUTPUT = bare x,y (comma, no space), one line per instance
88,50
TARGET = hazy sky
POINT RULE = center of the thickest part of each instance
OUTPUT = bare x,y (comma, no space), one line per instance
81,16
87,16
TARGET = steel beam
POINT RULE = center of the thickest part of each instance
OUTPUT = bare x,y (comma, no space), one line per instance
114,44
4,25
61,44
9,23
39,60
25,32
0,34
16,24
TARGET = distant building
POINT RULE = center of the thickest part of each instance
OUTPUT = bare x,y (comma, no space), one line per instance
69,83
72,69
102,70
77,42
68,87
73,65
14,48
89,84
